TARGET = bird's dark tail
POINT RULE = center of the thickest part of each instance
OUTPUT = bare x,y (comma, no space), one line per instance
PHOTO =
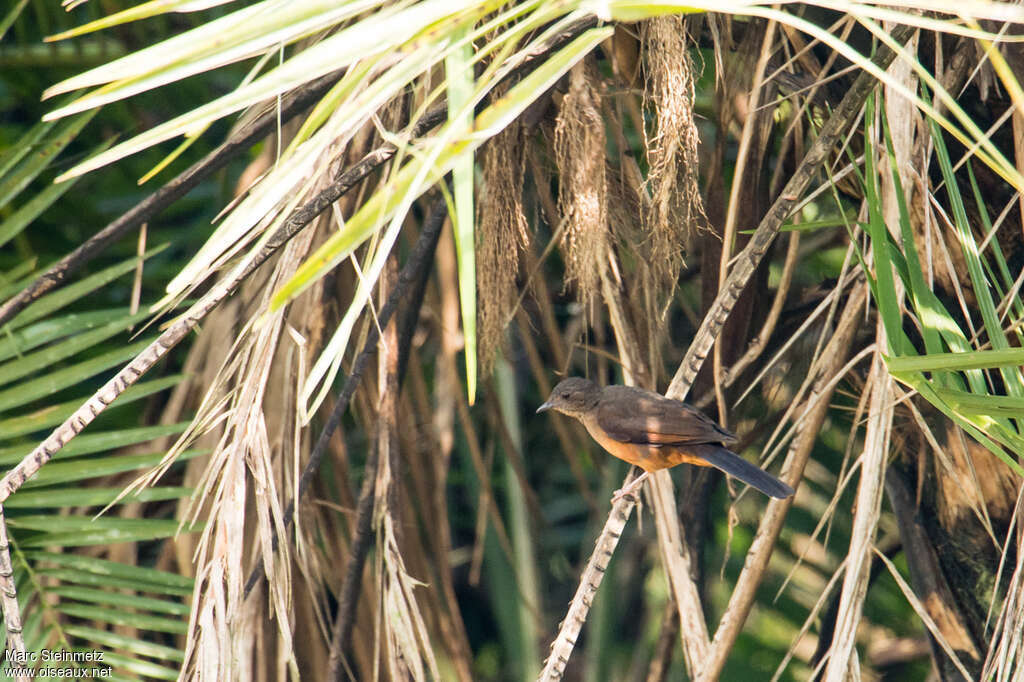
734,465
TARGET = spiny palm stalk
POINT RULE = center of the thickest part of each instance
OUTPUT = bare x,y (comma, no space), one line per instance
804,218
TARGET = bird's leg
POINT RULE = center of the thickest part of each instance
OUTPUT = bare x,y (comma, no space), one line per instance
633,488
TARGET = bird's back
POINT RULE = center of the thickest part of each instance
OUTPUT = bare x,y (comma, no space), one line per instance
634,415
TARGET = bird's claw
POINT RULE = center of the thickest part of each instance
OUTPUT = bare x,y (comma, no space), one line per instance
632,489
628,491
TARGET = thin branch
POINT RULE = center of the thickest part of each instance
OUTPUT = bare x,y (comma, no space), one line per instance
760,342
15,653
579,607
608,540
349,597
693,630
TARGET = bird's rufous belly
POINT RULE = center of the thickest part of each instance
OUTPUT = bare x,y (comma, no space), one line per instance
647,457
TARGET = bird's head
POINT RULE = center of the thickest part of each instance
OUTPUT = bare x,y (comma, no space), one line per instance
573,396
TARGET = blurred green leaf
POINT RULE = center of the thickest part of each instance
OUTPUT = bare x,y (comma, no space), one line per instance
52,415
125,618
112,640
71,531
51,383
35,162
73,292
48,357
460,79
88,570
957,362
89,497
126,601
92,467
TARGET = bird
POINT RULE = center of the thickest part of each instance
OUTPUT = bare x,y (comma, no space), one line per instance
653,432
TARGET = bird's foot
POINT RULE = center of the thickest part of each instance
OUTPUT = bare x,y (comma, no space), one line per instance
630,490
625,492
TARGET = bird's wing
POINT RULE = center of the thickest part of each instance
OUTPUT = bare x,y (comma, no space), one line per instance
633,415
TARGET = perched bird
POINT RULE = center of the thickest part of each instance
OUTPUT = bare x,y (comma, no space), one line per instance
654,432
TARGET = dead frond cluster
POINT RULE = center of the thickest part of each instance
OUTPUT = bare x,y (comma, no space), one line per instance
582,188
501,234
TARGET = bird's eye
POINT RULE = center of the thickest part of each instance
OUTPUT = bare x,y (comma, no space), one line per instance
565,396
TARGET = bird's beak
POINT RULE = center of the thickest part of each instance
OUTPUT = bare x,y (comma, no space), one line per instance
544,408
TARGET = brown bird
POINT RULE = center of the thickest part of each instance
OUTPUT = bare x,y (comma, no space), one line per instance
654,432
